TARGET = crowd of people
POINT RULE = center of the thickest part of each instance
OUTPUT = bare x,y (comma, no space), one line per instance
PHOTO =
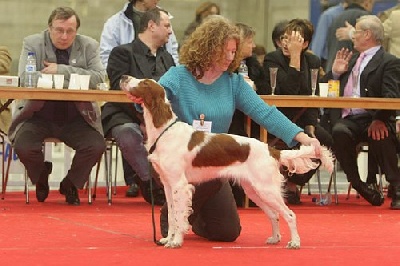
201,79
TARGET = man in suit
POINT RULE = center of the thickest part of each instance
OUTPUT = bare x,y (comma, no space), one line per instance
123,28
354,10
378,73
145,57
60,50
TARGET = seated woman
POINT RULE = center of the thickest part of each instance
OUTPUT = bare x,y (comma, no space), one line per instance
294,78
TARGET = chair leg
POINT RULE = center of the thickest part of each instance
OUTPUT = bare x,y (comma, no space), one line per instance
89,189
26,188
333,179
348,191
380,180
107,160
335,182
3,177
6,172
116,168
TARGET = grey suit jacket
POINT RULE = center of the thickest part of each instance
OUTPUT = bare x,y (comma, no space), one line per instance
84,59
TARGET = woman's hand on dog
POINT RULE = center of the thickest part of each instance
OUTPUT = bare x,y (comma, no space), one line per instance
304,139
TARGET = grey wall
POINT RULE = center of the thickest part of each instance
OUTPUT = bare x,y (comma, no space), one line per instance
19,18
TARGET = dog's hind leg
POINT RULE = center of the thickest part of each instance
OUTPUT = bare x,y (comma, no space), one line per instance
275,206
277,203
272,215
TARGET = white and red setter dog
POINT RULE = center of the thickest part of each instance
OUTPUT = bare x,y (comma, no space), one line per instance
183,156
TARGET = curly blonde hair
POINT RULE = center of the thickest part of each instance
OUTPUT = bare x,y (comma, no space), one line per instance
206,46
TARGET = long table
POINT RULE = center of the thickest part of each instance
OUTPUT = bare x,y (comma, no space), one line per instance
280,101
62,95
119,96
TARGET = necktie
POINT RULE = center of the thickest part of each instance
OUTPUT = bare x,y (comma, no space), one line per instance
348,89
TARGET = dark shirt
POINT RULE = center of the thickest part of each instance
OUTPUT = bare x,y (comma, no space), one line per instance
154,61
59,112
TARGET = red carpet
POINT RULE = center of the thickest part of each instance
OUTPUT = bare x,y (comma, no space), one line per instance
53,233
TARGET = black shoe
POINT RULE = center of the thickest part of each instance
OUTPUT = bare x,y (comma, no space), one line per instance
395,205
370,193
292,197
70,192
158,193
132,191
390,191
42,186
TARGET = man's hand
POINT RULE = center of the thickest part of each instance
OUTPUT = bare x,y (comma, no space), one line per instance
49,68
344,33
341,63
378,130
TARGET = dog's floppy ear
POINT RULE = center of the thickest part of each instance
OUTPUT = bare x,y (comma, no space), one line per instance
154,100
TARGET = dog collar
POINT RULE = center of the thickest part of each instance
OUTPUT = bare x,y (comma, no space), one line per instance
154,146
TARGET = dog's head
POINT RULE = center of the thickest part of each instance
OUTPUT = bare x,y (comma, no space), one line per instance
152,95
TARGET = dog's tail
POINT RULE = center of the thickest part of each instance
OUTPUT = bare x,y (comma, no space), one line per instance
303,160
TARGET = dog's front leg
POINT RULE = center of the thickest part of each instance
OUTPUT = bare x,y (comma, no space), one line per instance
179,211
171,219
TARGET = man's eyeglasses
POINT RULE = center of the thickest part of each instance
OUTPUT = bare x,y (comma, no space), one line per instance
61,31
358,31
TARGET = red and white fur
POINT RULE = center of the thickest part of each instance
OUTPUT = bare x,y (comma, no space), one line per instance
183,157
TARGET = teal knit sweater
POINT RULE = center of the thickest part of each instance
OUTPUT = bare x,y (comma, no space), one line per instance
218,101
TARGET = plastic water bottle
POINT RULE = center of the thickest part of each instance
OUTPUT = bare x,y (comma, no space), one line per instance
243,70
30,77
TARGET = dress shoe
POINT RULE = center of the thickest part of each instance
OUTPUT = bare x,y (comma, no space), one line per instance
70,192
157,193
395,205
42,186
132,191
370,193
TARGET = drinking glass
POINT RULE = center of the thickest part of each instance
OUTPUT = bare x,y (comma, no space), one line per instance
314,78
272,76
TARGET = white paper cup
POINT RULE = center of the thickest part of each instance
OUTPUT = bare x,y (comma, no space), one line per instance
323,89
45,83
74,82
84,80
58,81
46,76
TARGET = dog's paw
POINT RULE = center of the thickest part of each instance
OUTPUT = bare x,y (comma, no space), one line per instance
164,240
173,244
293,245
273,240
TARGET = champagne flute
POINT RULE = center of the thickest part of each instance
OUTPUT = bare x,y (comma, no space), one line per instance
314,78
272,76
